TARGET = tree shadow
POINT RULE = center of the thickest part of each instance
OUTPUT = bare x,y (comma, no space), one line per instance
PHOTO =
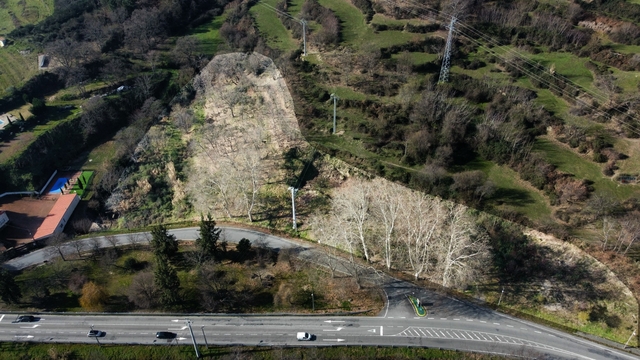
514,197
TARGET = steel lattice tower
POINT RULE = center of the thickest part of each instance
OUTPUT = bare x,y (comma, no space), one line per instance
446,59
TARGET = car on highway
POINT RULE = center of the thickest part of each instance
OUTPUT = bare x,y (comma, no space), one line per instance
166,335
24,318
305,336
96,333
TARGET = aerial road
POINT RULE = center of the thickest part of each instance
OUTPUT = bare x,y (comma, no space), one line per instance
501,335
449,324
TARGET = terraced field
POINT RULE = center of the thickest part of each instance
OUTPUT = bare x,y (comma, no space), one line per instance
14,67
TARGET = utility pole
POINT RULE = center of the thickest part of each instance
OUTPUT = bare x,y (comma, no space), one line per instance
313,303
304,36
502,293
446,58
98,341
293,205
632,335
193,338
335,98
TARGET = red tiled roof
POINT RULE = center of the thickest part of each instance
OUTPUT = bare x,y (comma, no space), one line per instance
52,220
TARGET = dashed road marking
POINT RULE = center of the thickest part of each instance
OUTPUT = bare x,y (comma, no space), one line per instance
509,325
496,323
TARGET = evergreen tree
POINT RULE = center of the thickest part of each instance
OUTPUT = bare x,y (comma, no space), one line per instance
164,246
167,282
9,290
207,241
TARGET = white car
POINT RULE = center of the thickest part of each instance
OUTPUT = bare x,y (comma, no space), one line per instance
303,336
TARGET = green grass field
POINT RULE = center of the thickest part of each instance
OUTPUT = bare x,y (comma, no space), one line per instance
208,35
33,351
14,13
568,161
14,67
271,28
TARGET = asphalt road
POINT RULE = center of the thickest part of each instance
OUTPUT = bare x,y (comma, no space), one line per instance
232,235
501,335
450,323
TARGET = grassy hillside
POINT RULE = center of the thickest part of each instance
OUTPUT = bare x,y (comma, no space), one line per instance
16,13
514,193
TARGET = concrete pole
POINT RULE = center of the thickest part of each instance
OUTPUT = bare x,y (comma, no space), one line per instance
193,338
502,293
335,99
293,205
304,36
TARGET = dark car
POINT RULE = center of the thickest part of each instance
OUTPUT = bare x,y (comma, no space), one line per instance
166,335
24,318
96,333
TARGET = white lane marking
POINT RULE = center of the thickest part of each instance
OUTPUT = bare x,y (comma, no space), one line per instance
390,317
469,320
431,318
337,329
509,325
539,332
496,323
482,321
381,334
29,327
403,317
456,319
443,318
1,317
337,340
144,333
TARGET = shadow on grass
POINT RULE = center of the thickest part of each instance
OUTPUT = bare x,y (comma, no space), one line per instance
514,197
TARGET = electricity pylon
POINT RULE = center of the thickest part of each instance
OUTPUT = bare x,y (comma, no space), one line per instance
446,59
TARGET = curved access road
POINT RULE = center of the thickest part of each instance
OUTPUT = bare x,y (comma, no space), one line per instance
449,324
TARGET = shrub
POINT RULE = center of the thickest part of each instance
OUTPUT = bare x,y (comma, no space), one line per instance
38,106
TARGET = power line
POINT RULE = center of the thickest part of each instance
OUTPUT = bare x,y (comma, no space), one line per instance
575,86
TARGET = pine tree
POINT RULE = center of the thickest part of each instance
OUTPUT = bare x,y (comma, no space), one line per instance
164,246
207,241
167,282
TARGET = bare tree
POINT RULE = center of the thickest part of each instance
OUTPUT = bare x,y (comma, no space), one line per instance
422,218
95,248
78,246
628,232
57,244
353,203
142,291
608,228
461,249
112,240
143,29
386,207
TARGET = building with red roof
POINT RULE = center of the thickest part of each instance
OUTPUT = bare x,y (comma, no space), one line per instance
57,218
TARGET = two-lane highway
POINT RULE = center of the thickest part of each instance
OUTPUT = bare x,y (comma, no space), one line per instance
509,336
